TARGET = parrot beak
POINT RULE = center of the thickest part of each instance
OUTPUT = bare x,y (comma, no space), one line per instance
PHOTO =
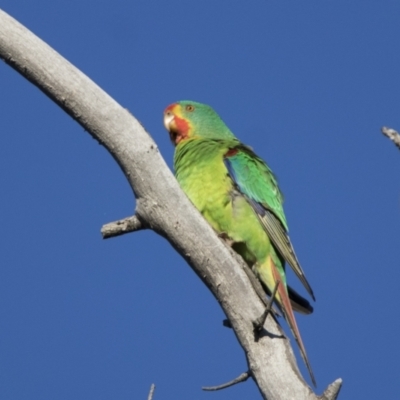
168,120
170,123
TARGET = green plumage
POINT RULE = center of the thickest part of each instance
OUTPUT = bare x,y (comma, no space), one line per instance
203,176
238,195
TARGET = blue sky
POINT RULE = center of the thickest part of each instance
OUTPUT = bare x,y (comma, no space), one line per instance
308,85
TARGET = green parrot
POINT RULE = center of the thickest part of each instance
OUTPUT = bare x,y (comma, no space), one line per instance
238,195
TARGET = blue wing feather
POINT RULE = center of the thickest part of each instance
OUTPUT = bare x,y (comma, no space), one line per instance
256,182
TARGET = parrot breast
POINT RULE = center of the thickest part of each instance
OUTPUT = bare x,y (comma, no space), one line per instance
203,177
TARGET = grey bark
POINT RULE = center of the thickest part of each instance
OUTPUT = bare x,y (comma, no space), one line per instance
162,206
151,393
393,135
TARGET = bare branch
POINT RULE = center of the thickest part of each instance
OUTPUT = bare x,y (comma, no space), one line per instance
161,205
151,393
241,378
332,391
117,228
392,135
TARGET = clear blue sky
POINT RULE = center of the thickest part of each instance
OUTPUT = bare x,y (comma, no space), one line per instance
307,84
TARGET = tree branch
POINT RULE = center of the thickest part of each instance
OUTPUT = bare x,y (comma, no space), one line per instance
241,378
117,228
332,391
161,205
393,135
151,393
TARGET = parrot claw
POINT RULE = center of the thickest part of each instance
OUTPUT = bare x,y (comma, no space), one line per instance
224,236
227,323
260,321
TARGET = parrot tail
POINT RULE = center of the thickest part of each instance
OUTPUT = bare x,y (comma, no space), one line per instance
285,303
299,303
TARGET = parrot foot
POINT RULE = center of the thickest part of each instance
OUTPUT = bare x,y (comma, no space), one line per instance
227,324
224,236
260,321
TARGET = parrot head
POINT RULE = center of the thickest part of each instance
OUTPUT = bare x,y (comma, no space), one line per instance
189,119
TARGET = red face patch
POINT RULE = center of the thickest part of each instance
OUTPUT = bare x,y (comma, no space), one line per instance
182,126
170,108
178,127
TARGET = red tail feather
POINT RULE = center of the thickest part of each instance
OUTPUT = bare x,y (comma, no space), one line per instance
283,298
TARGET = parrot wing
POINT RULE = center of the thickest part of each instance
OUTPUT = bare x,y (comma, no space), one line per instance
257,183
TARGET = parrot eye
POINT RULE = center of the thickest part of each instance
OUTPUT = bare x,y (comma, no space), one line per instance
189,108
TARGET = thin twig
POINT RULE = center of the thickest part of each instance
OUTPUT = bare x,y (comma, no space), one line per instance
117,228
259,322
151,393
241,378
393,135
